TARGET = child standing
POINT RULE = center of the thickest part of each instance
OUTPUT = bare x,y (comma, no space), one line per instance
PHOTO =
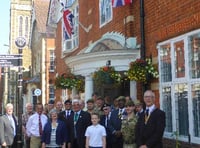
95,133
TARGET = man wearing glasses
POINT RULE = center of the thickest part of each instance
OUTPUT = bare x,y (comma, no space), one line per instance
151,124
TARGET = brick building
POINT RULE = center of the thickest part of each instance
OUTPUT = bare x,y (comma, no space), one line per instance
168,31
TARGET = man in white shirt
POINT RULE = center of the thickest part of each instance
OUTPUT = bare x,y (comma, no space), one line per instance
35,126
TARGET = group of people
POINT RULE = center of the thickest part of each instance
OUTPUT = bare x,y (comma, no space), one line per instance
127,124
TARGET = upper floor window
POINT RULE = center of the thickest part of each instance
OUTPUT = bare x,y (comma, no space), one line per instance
52,61
51,92
70,29
105,7
20,26
26,27
179,68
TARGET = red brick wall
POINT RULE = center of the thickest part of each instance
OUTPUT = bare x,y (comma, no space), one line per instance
116,25
165,19
59,60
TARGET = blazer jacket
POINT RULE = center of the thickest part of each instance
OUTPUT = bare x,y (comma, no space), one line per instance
7,131
61,133
80,126
151,133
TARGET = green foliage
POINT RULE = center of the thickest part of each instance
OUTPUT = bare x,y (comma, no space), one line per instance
139,70
107,75
69,81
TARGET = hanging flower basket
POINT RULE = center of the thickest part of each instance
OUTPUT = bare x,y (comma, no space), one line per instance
107,75
140,70
65,81
69,81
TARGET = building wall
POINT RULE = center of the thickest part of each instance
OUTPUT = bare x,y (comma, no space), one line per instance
61,67
165,19
89,15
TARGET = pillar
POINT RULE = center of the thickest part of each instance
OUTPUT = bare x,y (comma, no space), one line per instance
133,89
88,87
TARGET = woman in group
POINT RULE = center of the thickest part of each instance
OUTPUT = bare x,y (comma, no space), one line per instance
128,126
55,132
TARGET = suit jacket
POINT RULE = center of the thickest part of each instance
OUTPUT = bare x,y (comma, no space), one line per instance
83,122
108,132
151,133
68,120
115,125
7,130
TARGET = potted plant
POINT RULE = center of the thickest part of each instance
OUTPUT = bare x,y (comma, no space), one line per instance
140,70
107,75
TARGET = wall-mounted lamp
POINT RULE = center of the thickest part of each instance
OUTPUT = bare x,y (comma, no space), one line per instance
108,63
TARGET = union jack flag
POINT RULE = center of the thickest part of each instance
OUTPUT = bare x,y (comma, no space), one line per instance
118,3
68,23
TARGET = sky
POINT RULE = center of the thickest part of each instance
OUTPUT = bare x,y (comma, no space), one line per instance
4,25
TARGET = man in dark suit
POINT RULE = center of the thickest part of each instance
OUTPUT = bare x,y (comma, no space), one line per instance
116,122
79,120
8,126
151,124
67,117
105,121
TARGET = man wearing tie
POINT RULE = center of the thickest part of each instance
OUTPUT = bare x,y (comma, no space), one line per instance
116,122
8,126
35,126
105,121
151,124
79,120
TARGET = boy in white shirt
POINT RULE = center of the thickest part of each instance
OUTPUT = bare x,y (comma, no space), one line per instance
95,133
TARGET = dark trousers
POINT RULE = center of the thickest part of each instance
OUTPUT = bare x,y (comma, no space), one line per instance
117,143
28,140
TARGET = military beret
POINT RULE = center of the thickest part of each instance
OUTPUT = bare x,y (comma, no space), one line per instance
121,98
51,102
106,105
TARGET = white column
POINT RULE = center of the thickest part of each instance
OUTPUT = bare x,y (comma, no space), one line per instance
88,87
133,89
74,92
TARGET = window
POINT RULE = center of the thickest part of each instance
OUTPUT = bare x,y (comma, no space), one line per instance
105,7
26,28
196,108
179,67
52,61
70,33
167,108
51,92
20,26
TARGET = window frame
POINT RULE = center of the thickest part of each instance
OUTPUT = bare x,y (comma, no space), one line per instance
187,79
107,18
72,42
51,59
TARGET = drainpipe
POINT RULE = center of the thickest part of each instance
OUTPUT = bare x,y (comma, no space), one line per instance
142,52
142,31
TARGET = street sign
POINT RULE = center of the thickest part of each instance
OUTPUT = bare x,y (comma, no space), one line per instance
9,60
37,92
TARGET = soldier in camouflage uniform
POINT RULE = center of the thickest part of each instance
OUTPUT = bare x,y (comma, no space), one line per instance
128,126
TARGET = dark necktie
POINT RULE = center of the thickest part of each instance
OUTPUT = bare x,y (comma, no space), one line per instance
68,113
120,113
147,112
146,115
40,125
76,117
